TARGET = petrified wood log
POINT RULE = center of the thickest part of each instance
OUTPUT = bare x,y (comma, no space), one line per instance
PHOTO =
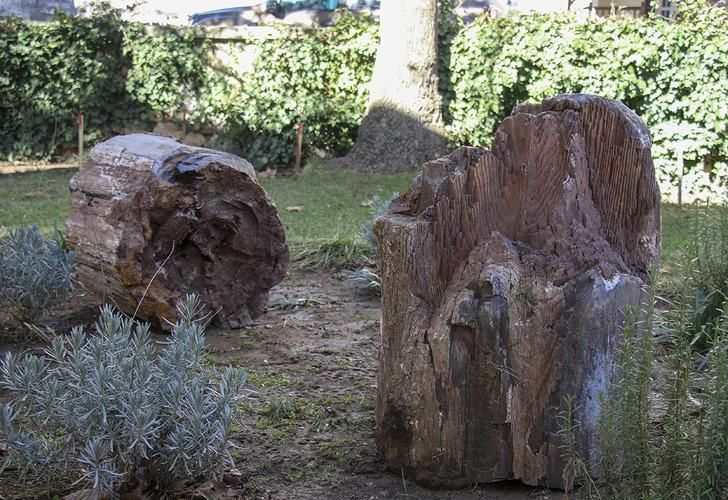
505,274
154,219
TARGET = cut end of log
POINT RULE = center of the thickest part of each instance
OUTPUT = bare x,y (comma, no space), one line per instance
153,220
505,274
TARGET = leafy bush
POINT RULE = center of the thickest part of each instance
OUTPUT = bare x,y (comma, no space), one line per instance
168,70
670,74
35,273
113,413
316,77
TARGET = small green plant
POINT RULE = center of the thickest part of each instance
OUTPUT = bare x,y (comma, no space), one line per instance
626,431
575,470
686,455
713,459
338,252
366,281
35,274
112,413
705,272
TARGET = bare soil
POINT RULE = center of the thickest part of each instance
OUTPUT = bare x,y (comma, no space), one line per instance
307,431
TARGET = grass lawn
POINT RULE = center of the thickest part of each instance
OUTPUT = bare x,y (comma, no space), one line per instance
40,198
334,201
334,205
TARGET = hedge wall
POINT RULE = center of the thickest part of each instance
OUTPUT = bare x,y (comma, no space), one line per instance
110,71
674,75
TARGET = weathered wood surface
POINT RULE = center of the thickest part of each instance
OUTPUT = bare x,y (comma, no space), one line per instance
505,274
145,204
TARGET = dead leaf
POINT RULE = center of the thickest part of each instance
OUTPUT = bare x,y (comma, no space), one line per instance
295,208
367,203
34,194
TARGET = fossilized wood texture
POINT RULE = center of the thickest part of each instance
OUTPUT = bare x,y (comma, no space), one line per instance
197,218
505,274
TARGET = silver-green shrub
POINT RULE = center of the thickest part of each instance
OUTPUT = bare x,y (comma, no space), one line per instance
35,273
113,412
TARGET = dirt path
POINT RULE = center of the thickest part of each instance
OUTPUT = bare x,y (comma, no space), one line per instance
309,430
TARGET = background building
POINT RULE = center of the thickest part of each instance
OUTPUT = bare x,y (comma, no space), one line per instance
35,10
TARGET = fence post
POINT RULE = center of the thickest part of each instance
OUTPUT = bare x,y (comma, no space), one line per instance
680,173
299,146
79,122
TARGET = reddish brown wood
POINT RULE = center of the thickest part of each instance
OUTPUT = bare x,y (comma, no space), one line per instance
145,202
299,146
505,274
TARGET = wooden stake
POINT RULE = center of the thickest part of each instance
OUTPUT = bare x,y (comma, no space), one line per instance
79,121
299,145
680,173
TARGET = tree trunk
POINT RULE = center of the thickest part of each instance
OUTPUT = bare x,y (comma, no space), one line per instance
153,220
403,124
505,275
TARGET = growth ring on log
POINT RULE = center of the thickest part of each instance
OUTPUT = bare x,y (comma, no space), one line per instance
154,219
505,275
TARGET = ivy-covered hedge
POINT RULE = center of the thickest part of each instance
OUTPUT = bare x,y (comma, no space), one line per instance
110,71
674,75
318,78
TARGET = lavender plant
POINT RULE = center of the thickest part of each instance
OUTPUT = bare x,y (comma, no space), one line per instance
111,411
35,273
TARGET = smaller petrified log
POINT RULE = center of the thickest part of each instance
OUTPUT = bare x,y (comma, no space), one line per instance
505,274
153,219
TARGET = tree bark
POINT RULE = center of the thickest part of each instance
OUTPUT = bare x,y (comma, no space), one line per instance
153,220
505,275
403,125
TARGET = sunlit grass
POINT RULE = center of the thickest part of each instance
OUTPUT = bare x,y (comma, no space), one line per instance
40,198
335,202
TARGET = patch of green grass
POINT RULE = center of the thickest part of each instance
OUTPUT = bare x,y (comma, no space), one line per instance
326,232
40,198
338,252
315,369
268,380
674,234
338,450
333,201
678,232
278,417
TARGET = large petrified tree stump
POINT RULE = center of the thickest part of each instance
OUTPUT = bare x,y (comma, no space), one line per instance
505,274
154,219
